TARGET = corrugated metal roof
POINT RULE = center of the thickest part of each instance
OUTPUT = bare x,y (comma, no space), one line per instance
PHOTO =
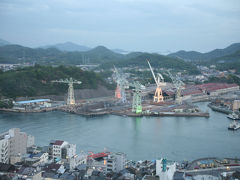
32,101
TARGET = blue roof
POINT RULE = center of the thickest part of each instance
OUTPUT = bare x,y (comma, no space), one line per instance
32,101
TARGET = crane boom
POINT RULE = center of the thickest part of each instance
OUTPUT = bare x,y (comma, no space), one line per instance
152,72
70,82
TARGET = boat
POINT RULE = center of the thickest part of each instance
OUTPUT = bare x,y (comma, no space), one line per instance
234,116
234,125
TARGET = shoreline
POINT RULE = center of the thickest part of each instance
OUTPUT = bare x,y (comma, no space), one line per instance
123,113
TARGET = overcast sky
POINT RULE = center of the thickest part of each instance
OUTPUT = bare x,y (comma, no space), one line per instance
143,25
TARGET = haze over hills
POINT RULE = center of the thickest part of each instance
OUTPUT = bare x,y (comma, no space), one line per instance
3,42
197,56
67,46
70,47
106,57
99,55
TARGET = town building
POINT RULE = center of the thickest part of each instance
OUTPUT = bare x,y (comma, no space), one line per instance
164,169
61,150
236,105
77,160
4,157
116,162
14,144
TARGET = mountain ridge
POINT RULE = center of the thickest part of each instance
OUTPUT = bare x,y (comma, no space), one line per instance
4,42
67,46
198,56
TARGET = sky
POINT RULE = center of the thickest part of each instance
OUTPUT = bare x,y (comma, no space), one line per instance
134,25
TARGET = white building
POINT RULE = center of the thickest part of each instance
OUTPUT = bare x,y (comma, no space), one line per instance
16,142
71,150
116,162
4,157
76,160
30,141
62,149
165,170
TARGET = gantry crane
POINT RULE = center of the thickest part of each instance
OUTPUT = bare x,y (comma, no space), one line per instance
158,96
179,85
70,82
121,84
137,97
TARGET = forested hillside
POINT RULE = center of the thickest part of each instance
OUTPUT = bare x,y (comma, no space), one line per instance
36,81
197,56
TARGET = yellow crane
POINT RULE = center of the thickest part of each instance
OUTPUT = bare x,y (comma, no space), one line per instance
158,96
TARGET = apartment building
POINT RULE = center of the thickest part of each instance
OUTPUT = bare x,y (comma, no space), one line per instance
61,149
14,143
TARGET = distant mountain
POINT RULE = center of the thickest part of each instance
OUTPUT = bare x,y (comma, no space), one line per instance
20,54
197,56
101,54
138,60
120,51
3,42
225,63
67,46
231,58
98,55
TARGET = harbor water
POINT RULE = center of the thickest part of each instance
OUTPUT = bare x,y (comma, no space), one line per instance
175,138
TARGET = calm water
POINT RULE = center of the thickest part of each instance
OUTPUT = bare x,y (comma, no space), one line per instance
176,138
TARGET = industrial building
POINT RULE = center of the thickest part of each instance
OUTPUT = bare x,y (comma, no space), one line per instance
35,104
202,91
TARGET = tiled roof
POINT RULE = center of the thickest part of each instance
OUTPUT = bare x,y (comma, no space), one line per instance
58,142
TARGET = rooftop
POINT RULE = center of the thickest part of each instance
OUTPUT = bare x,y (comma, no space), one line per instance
33,101
58,142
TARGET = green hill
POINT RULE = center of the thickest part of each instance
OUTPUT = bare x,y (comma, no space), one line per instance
36,81
197,56
157,61
67,46
228,62
20,54
99,55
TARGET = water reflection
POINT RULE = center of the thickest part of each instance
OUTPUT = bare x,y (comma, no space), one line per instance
140,137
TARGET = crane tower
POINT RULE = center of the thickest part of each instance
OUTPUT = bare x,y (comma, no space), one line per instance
121,83
70,82
137,98
179,85
158,96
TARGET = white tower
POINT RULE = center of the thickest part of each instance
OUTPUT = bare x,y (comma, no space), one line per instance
70,82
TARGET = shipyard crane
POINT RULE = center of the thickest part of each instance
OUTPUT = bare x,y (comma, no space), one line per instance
121,84
179,85
158,96
137,97
70,82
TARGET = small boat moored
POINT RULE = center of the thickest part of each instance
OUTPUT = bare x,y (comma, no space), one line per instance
234,125
234,116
